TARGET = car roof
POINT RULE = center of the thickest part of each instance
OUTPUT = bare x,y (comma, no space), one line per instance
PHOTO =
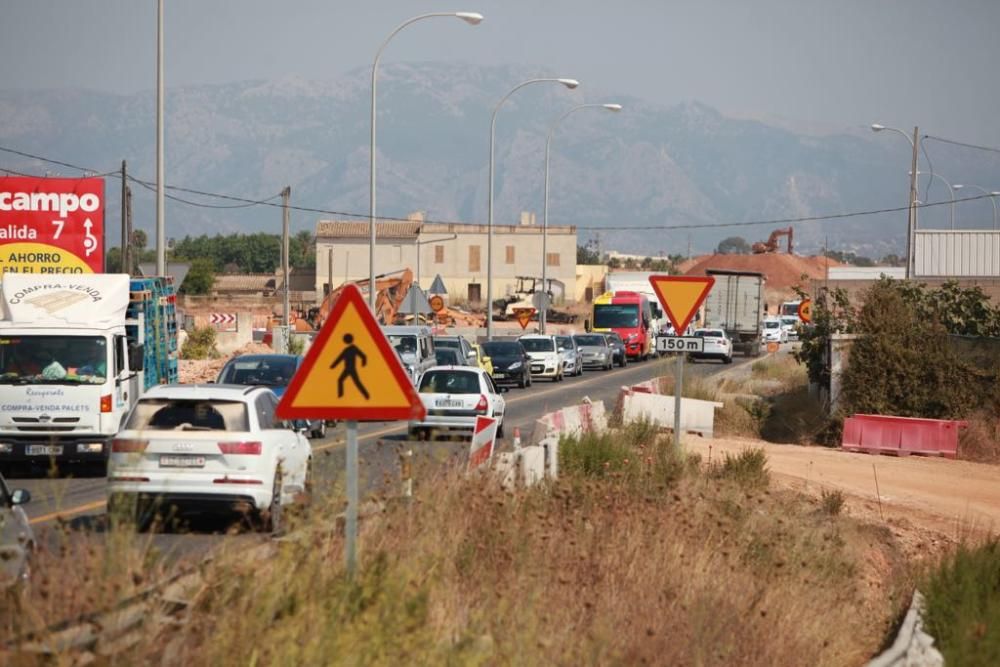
407,330
535,336
458,369
264,357
221,392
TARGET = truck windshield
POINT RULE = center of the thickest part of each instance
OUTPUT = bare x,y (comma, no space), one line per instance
614,316
53,360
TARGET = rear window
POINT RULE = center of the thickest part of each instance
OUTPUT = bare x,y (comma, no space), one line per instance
269,372
771,324
709,333
449,382
538,344
597,340
163,414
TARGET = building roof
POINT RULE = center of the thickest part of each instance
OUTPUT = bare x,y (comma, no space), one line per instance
384,229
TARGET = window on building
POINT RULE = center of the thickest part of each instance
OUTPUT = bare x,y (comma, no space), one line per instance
439,254
474,258
510,254
552,259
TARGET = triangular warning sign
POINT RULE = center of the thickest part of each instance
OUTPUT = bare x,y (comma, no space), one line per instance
681,296
524,316
351,372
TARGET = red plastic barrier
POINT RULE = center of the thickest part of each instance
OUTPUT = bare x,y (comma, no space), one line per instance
901,436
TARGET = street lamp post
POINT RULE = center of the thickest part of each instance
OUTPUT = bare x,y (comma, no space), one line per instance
471,18
912,220
993,198
543,316
951,190
569,83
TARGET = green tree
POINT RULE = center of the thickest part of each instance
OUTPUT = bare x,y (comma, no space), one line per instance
587,255
733,245
200,277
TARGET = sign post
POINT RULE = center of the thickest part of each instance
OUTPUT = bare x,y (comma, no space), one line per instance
681,297
351,373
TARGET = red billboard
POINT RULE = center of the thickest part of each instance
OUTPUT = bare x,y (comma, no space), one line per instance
51,225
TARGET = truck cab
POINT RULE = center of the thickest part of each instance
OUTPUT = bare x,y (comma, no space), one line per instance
629,315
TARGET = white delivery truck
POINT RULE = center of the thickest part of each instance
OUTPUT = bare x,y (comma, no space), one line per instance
71,363
638,281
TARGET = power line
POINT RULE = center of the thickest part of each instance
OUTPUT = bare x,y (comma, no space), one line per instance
246,202
962,143
152,188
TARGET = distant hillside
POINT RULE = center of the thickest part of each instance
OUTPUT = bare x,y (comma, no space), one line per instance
647,166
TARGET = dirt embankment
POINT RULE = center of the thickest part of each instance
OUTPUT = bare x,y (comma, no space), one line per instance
193,371
783,271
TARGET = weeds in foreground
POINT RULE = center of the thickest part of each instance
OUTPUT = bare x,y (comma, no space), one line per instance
831,501
748,468
980,441
963,605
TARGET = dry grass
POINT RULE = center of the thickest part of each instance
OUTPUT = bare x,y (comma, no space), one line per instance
981,440
626,566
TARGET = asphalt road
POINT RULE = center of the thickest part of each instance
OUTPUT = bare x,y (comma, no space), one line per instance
79,501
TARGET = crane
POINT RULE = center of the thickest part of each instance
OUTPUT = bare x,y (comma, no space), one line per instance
771,245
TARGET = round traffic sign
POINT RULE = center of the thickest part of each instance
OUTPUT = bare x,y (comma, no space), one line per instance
806,310
436,303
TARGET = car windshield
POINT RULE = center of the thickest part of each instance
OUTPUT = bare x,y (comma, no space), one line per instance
612,316
538,344
709,333
404,344
445,357
772,324
790,320
565,341
449,382
614,338
270,372
592,339
448,342
53,360
502,349
169,414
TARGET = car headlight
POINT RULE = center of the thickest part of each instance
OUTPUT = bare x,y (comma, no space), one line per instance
514,366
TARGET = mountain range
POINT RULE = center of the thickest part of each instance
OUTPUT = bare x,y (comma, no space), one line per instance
686,166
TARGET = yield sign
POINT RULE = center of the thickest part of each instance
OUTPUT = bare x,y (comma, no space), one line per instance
351,372
524,316
681,296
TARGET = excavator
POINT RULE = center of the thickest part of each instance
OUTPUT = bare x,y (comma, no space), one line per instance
771,245
390,291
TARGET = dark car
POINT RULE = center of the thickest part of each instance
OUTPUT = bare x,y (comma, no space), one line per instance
268,370
511,364
17,541
618,345
448,356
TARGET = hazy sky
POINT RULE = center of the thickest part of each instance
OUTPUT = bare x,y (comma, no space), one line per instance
836,64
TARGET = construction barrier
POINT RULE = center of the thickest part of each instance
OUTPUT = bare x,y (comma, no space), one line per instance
696,416
901,436
573,421
913,646
522,467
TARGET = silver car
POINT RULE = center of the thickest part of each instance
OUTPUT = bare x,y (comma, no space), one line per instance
595,351
17,541
572,361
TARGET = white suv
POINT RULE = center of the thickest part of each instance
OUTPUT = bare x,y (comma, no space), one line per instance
207,448
546,362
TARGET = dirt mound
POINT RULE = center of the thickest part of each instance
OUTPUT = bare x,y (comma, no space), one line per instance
782,270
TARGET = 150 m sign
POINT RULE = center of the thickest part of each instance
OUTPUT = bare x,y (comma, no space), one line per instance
51,225
680,344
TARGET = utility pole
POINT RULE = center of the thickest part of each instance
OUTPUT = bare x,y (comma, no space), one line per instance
125,239
329,270
128,228
912,222
286,194
161,236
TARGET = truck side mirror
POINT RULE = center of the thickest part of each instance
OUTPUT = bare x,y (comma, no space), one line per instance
586,325
136,357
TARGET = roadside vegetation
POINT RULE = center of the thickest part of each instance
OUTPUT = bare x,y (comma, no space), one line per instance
200,344
639,554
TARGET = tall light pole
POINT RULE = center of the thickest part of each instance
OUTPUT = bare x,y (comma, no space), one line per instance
543,316
993,198
471,18
912,221
569,83
951,190
161,235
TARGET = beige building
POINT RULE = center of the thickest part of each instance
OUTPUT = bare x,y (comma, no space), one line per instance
455,251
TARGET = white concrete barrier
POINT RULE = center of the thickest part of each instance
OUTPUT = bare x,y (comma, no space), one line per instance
532,465
588,417
696,416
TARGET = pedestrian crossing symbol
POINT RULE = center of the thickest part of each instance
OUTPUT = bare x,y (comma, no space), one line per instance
351,372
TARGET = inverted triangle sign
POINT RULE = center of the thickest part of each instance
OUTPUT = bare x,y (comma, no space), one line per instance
351,372
681,297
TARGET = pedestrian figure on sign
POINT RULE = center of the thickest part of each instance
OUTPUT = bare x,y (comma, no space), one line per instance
350,357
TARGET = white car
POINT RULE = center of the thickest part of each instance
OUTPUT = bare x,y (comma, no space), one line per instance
717,346
774,332
207,448
453,397
546,361
790,324
572,359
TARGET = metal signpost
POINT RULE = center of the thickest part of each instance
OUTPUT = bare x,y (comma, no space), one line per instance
681,297
351,373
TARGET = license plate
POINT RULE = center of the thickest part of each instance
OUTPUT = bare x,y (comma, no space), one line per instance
182,461
448,403
499,376
43,450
